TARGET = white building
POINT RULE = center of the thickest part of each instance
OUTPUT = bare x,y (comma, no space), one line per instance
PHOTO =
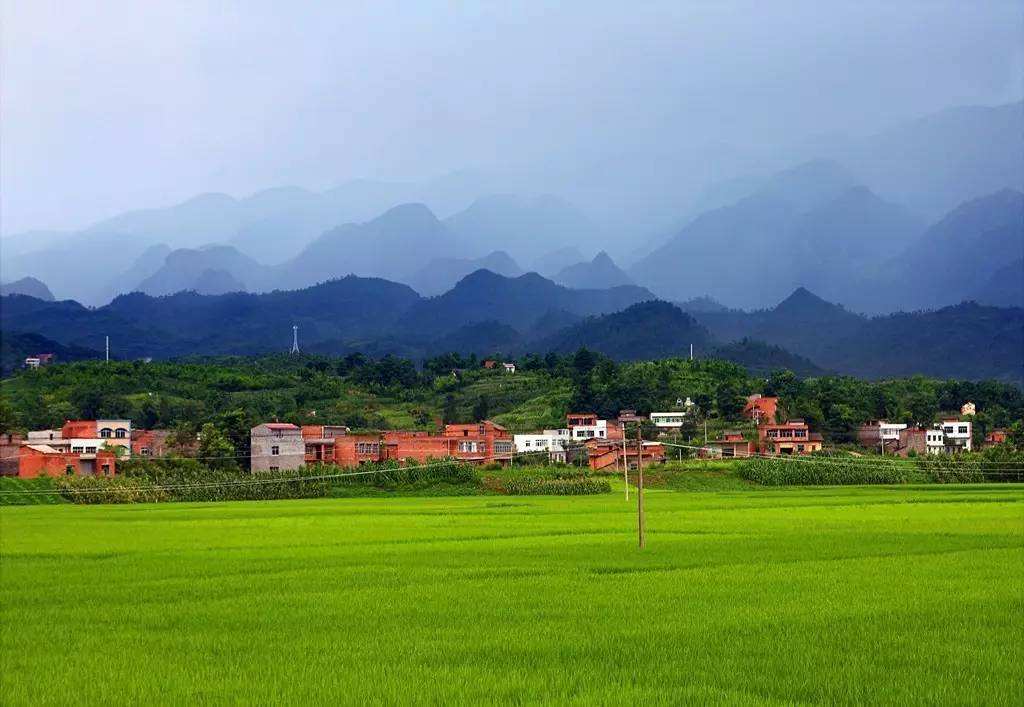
935,442
890,431
668,420
549,441
509,367
957,435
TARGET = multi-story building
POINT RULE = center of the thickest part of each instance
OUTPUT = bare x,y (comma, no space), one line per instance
957,434
879,434
87,437
549,442
668,420
586,425
276,446
45,460
10,452
793,437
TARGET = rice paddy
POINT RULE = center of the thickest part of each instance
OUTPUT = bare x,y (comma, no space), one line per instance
742,595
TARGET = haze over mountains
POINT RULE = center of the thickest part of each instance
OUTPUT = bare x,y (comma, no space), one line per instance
853,226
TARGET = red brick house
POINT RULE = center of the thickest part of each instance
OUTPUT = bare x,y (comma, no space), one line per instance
43,460
793,437
10,452
995,438
762,410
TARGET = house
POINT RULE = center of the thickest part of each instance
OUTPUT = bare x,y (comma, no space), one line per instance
957,435
968,408
879,434
793,437
731,444
45,460
149,443
919,440
42,359
480,442
10,452
995,438
550,442
320,442
276,446
607,455
86,437
668,420
761,409
489,363
586,425
509,367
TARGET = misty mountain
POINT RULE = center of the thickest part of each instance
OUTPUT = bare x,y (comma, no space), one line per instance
1004,288
960,253
601,272
646,330
391,245
933,163
441,274
550,263
27,286
732,254
524,227
519,302
210,270
838,244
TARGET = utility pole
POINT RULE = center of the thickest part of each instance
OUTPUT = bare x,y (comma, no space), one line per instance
640,483
625,461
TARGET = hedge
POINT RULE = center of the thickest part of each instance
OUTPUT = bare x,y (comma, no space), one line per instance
533,486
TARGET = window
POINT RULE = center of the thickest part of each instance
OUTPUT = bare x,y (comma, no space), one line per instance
106,432
275,468
367,447
144,451
275,450
527,443
502,447
467,447
90,450
120,433
77,450
963,429
799,447
69,470
106,469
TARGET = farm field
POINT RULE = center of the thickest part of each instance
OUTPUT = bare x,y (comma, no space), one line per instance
853,594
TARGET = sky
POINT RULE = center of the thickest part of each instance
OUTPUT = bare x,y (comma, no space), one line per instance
110,105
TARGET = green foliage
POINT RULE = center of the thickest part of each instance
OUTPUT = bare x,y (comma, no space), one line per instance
817,470
536,486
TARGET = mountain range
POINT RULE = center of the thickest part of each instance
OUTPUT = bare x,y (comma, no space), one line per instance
486,312
850,222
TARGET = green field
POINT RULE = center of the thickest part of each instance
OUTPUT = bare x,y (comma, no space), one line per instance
790,595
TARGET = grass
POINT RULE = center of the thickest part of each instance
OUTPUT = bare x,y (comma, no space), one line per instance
854,594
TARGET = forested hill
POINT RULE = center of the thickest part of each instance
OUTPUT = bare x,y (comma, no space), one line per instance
486,313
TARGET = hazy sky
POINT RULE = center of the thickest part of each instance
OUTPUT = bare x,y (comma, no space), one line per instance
111,105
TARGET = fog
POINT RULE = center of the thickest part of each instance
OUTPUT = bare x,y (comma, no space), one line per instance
114,105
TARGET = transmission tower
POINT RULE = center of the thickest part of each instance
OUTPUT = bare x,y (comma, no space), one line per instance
295,339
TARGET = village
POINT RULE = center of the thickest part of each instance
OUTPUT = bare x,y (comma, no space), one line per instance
94,447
